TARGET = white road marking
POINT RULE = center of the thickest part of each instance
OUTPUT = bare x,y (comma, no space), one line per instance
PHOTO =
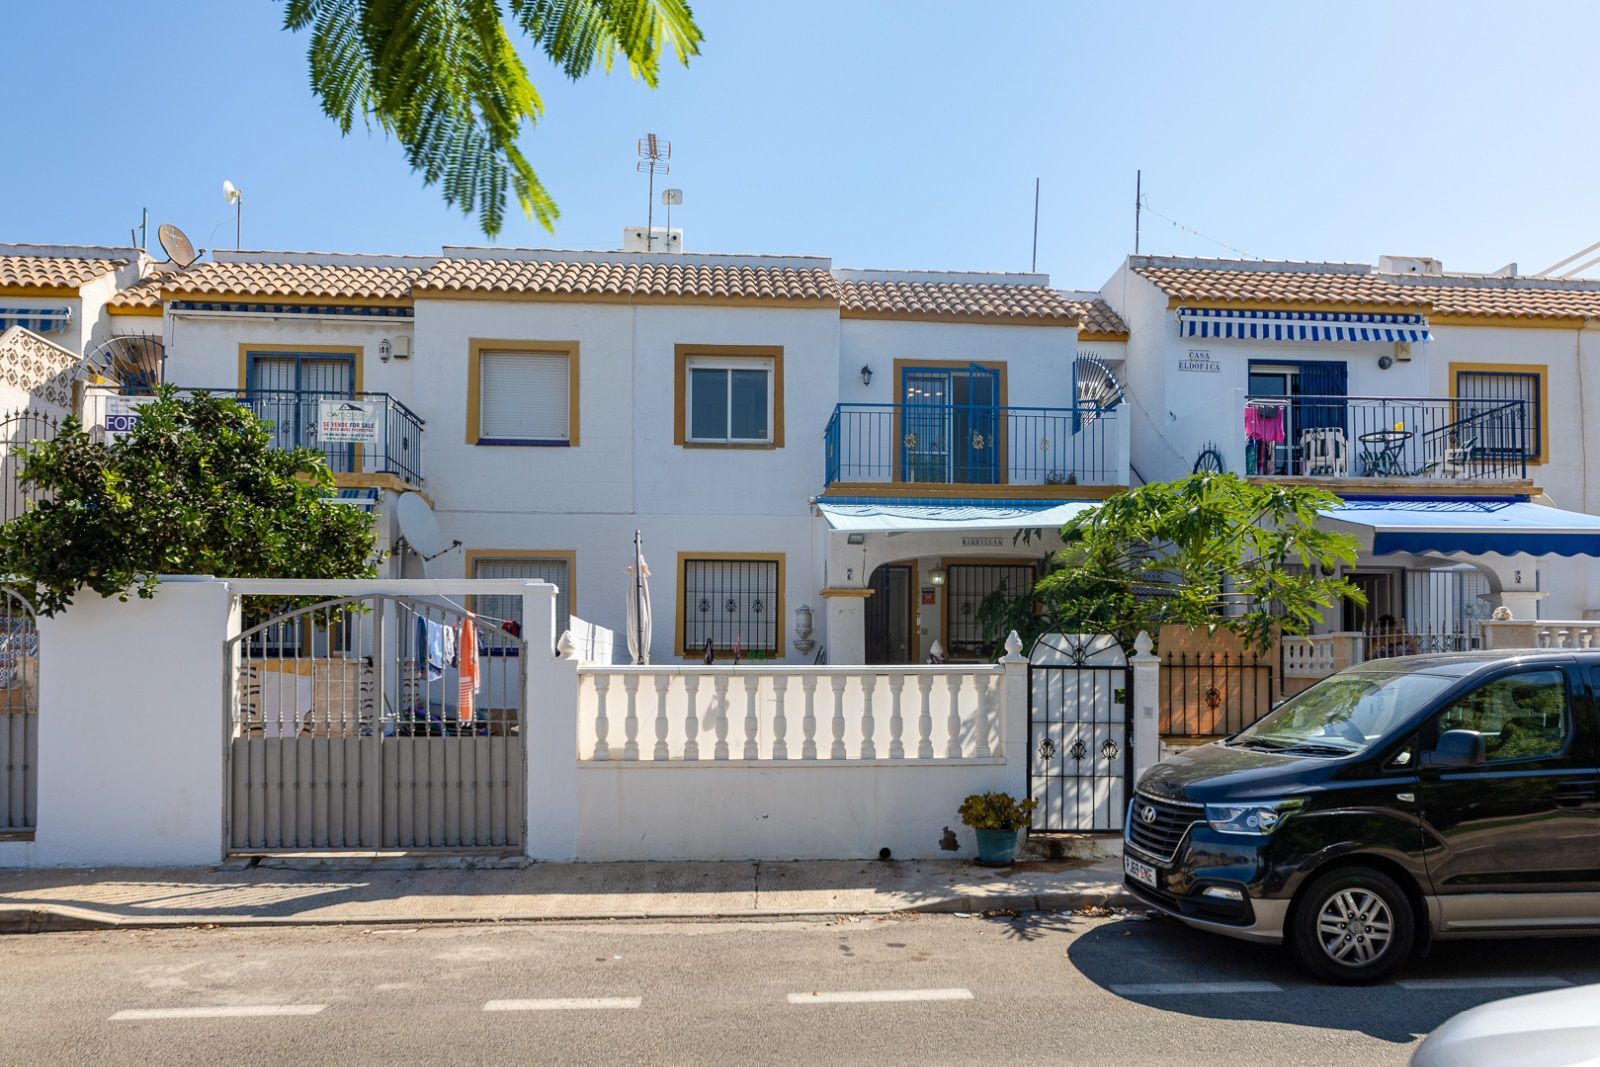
1536,981
235,1011
1169,989
880,996
563,1004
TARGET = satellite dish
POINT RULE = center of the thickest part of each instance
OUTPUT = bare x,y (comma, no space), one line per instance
176,244
231,192
420,527
671,197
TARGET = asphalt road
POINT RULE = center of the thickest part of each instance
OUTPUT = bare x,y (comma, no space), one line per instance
920,989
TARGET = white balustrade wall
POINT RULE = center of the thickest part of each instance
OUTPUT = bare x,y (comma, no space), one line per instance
1307,657
692,715
1542,633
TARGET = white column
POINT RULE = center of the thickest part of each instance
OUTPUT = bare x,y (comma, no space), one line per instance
549,731
1146,708
1013,711
133,739
847,629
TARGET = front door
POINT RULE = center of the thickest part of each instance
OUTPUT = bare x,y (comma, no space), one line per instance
891,632
287,389
1516,842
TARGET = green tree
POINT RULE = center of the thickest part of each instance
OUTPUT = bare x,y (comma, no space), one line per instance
445,79
1209,549
196,487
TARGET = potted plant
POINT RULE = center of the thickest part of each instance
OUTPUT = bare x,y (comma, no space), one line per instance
996,819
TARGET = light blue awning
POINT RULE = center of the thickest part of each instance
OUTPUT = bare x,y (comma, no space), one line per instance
1301,325
1468,527
955,516
39,320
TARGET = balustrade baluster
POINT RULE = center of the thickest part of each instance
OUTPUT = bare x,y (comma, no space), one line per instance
897,724
925,716
630,723
953,747
780,725
869,726
980,726
691,722
752,728
808,719
602,683
837,751
662,725
719,715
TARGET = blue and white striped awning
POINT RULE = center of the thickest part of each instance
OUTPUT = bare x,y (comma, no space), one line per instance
1301,325
39,320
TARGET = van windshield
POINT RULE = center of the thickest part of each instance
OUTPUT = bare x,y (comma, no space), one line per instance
1343,714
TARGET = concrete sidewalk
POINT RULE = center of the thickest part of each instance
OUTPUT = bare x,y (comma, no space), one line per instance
38,900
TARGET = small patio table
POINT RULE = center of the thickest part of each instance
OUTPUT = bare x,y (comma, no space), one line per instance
1387,458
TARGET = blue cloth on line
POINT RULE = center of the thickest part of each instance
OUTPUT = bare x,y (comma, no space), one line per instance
435,647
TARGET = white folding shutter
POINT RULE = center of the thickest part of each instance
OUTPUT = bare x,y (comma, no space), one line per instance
523,396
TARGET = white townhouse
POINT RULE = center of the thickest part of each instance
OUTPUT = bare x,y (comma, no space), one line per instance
1447,410
823,463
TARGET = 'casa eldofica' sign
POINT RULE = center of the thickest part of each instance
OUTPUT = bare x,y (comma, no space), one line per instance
1198,361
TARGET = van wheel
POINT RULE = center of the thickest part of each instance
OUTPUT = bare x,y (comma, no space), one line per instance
1352,926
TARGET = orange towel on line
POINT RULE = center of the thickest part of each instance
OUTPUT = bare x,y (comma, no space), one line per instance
467,670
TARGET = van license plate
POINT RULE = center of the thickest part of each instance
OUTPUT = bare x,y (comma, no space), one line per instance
1139,872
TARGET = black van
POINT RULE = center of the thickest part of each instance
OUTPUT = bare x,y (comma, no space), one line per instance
1395,802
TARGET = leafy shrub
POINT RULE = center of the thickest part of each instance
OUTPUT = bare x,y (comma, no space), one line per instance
995,811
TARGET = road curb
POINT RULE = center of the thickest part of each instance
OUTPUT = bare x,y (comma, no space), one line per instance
55,918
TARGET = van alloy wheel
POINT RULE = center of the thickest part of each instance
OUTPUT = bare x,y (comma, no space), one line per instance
1354,927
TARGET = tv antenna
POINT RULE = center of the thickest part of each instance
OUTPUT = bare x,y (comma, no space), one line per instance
653,155
176,244
235,198
669,197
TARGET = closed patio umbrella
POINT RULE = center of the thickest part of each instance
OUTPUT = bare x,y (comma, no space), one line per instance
639,604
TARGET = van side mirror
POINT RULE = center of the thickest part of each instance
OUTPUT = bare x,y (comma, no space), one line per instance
1455,748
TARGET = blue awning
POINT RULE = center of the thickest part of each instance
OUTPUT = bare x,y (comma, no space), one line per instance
39,320
1468,527
954,516
1301,325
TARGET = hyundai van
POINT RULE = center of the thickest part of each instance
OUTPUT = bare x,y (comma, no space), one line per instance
1391,804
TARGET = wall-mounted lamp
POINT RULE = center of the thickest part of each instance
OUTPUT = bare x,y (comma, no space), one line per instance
866,374
856,539
385,350
936,576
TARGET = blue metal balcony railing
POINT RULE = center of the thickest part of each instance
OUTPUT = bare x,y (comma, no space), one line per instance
1448,438
377,434
971,444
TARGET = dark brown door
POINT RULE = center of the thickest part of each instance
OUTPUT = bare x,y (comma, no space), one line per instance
890,631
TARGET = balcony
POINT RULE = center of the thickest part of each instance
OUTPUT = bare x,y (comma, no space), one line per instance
933,445
356,433
1388,439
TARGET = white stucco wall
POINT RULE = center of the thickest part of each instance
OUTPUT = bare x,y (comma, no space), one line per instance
203,348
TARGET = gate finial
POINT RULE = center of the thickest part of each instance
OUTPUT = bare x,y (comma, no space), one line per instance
1142,644
1014,646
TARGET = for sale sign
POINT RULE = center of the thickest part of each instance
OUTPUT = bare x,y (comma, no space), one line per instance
348,422
122,415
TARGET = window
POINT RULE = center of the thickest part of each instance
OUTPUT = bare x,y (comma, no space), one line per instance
555,568
966,587
1494,420
522,393
729,396
1521,717
730,598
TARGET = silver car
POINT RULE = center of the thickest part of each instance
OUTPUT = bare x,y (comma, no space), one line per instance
1560,1028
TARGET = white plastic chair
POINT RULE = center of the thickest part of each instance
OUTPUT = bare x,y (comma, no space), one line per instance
1324,452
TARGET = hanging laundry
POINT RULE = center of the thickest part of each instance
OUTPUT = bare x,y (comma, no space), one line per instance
436,647
467,671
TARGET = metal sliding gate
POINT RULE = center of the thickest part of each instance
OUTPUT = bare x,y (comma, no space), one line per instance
364,723
19,714
1080,690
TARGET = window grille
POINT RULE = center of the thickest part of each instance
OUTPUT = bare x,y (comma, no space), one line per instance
728,600
533,568
1517,430
966,586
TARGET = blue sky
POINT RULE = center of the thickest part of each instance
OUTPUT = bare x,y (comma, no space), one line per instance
883,134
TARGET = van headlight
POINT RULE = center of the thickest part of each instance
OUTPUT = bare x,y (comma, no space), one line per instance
1256,819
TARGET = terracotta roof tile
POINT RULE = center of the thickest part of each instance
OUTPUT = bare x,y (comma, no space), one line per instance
1524,298
141,295
315,281
964,299
52,272
1097,317
629,280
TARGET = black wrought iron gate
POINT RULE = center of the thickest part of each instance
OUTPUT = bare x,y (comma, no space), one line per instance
1080,692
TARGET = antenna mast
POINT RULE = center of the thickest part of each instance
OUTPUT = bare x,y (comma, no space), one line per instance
1138,206
653,155
1034,269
